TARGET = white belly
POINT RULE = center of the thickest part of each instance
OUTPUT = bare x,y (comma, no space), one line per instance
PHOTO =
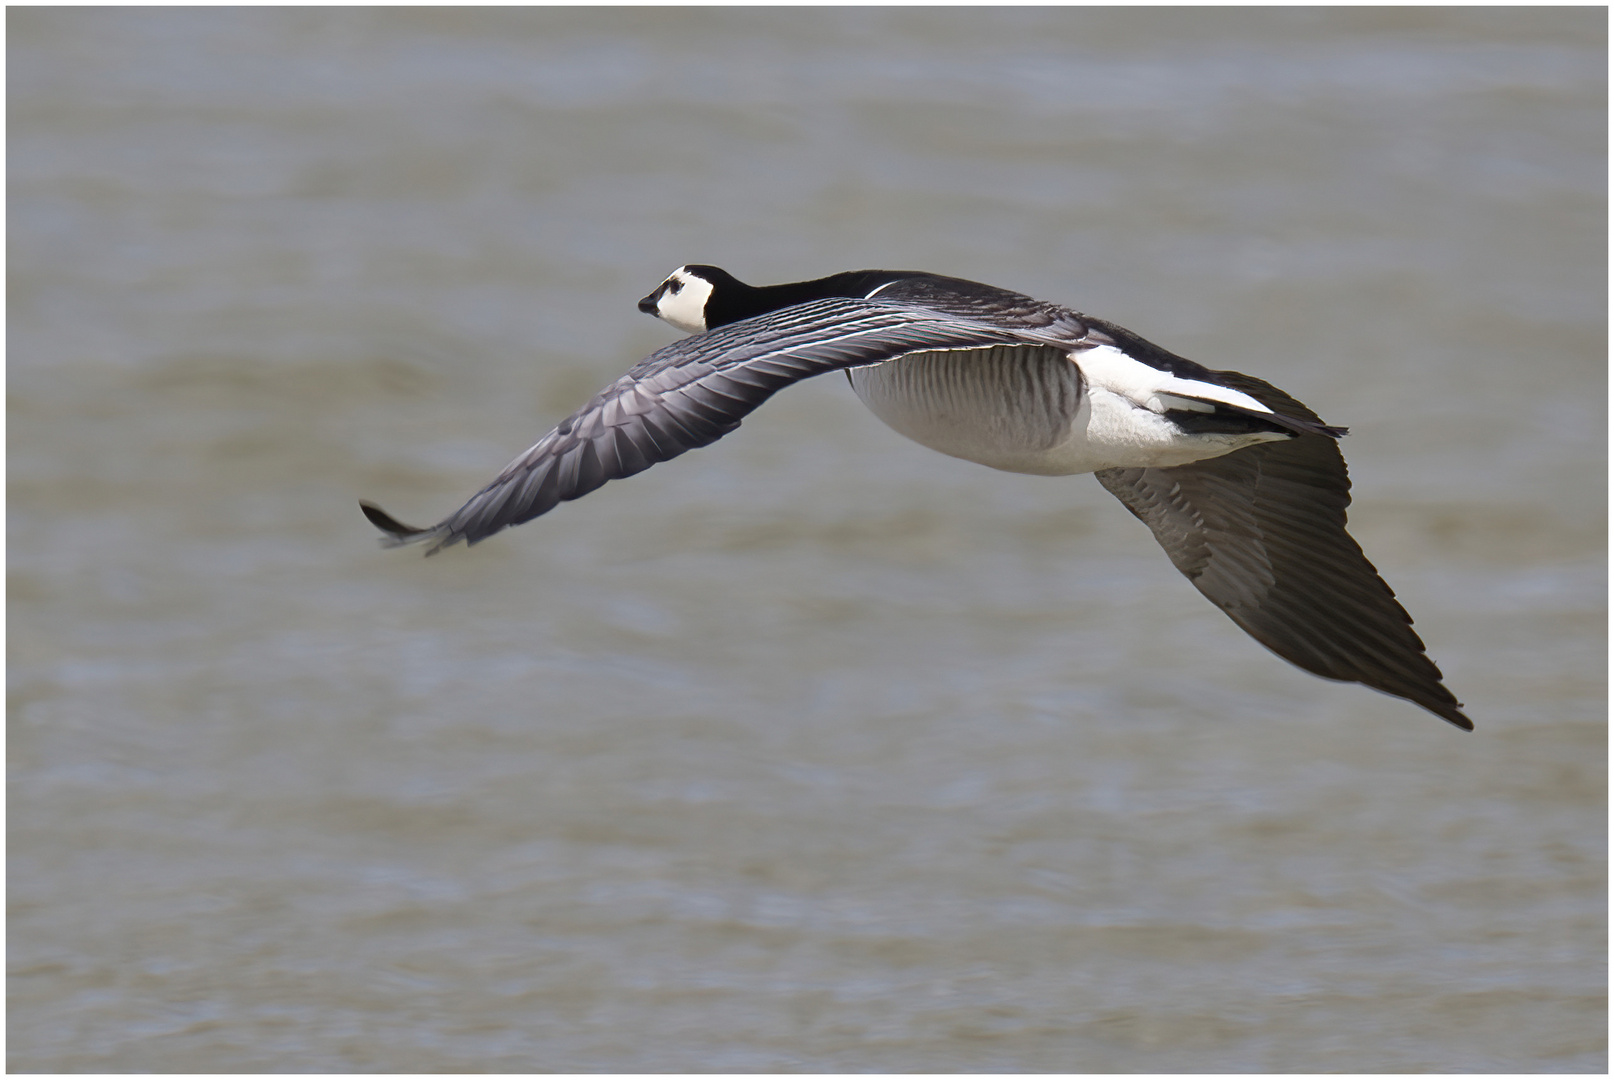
1024,409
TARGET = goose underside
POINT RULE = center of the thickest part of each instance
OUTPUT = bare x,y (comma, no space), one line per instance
1011,407
1029,409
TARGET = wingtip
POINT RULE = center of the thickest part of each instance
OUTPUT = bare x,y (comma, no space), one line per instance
399,534
1442,703
386,522
1452,714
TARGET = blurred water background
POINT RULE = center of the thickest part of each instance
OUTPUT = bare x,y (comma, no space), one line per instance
812,750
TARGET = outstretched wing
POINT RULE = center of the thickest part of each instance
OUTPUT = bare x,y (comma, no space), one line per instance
1261,532
689,394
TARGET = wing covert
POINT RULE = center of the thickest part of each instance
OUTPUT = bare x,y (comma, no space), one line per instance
687,395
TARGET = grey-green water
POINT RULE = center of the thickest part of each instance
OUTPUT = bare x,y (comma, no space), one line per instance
812,750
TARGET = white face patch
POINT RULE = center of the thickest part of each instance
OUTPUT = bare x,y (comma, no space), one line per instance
682,301
1108,368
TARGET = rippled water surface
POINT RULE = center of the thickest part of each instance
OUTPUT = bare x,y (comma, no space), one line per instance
812,750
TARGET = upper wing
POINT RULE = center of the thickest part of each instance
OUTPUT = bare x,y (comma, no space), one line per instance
1261,532
689,394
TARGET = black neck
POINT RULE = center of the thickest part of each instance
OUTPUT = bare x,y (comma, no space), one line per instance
733,300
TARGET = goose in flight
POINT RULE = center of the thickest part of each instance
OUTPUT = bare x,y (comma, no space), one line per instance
1243,486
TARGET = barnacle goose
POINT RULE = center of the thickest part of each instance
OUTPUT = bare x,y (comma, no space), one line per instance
1243,486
